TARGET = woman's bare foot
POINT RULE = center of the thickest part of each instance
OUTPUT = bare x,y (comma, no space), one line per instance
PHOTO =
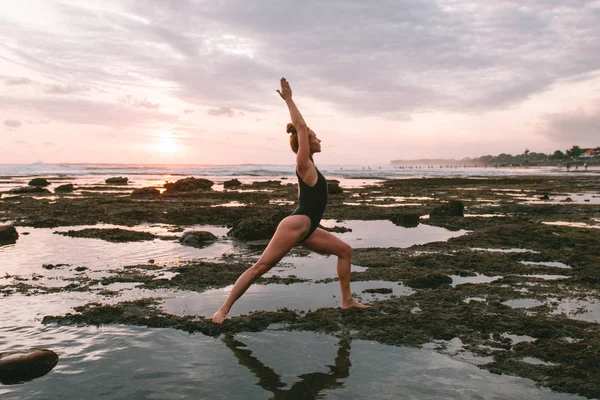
352,304
219,316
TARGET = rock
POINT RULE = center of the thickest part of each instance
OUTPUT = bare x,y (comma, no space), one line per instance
146,192
266,184
378,290
39,182
333,187
545,197
117,181
337,229
25,365
567,200
406,220
197,238
64,188
429,281
116,235
53,266
256,228
453,208
28,190
188,185
231,184
8,234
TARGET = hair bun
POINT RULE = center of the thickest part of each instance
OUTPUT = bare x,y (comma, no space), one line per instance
291,129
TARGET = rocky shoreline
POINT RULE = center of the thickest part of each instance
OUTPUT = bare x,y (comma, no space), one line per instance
520,229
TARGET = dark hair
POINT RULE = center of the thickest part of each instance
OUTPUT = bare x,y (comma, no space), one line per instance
293,137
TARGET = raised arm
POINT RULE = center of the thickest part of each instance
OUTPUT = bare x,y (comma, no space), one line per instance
303,155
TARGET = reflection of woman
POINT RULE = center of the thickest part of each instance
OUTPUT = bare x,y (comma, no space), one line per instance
301,226
309,385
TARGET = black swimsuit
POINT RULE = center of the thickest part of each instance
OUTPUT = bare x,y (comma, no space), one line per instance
313,200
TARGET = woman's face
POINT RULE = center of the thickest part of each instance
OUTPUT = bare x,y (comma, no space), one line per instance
314,142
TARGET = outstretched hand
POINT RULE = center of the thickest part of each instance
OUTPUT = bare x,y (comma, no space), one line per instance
286,90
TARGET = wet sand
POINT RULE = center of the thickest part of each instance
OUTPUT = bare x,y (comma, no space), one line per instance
523,263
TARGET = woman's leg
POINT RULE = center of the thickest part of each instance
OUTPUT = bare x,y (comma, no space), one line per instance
324,242
289,231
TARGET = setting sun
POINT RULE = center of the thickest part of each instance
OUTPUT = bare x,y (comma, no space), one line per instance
166,143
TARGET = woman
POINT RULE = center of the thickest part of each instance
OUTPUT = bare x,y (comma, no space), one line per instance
302,225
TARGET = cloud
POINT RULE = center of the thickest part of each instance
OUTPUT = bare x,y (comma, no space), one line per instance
390,60
84,111
581,126
66,89
221,112
188,111
145,103
11,123
17,81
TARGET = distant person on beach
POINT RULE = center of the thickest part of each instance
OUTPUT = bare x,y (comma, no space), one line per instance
301,227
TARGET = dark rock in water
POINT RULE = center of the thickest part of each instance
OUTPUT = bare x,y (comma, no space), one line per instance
116,235
231,184
146,192
28,190
197,238
39,182
8,234
406,220
256,228
64,188
266,184
429,281
568,200
117,181
453,208
337,229
25,365
378,290
333,187
545,197
188,185
53,266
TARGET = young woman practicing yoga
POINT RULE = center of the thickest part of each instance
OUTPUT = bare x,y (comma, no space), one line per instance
302,226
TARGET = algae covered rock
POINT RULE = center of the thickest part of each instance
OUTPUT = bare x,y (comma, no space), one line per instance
25,365
231,184
8,234
67,188
453,208
188,185
429,281
28,190
256,228
406,220
116,235
197,238
333,187
41,182
145,192
117,181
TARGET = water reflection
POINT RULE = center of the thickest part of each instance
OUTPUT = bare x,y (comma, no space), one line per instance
309,386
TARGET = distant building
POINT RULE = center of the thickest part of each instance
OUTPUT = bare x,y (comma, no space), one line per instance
590,153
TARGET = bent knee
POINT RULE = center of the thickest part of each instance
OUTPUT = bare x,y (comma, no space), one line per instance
345,251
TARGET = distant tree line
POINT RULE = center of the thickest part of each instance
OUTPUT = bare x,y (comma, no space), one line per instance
572,155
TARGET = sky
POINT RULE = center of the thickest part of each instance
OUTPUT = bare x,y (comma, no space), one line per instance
193,82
